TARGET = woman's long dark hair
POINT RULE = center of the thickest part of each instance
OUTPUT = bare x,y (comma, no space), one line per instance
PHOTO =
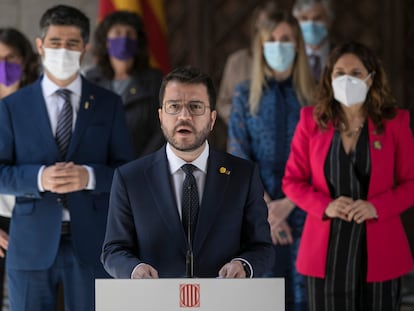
100,51
15,40
379,104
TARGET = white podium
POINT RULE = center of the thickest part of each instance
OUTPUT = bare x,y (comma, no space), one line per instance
264,294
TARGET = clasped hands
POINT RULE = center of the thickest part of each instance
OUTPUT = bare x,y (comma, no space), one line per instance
349,210
232,269
64,177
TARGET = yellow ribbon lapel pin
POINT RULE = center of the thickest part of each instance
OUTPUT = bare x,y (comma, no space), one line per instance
377,145
223,170
87,103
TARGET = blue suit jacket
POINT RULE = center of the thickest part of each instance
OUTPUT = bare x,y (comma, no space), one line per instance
144,224
100,140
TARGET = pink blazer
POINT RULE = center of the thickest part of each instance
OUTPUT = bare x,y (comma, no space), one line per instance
391,191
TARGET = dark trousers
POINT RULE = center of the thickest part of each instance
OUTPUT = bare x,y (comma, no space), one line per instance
37,290
4,225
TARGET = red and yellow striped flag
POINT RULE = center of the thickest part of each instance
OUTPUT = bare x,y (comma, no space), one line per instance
152,13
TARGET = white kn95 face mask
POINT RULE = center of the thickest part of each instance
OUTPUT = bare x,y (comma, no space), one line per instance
349,90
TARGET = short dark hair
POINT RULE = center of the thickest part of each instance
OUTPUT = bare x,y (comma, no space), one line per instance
100,50
15,40
190,75
63,15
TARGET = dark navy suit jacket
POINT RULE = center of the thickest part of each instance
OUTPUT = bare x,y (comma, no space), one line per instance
100,140
144,224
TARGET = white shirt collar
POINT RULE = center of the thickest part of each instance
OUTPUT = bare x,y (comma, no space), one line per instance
176,162
49,87
323,51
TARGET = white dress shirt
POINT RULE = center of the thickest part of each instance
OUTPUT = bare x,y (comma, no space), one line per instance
322,52
54,104
178,175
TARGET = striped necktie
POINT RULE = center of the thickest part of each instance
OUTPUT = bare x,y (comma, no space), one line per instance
64,123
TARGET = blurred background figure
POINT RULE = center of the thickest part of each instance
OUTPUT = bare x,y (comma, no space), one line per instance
238,64
265,111
351,170
122,65
236,69
19,66
315,18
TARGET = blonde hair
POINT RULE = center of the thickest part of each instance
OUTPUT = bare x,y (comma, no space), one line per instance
303,81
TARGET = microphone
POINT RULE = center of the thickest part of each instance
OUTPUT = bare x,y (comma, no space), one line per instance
189,258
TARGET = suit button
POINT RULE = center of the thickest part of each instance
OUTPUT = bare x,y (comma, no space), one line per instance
59,200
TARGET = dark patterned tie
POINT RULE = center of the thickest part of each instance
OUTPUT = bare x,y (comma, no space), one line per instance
64,123
315,61
190,202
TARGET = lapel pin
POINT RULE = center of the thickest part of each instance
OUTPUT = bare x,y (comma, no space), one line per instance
86,106
133,90
377,145
91,97
224,170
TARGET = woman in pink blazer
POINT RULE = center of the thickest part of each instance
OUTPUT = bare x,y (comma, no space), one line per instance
351,169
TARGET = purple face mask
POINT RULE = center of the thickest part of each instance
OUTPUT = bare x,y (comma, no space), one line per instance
10,73
122,48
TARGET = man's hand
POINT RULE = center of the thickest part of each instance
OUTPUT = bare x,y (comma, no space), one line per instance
64,177
232,269
4,242
144,271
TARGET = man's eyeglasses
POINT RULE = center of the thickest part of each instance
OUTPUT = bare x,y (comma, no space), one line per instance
195,108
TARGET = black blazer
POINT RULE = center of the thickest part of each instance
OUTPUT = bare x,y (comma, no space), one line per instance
144,224
140,101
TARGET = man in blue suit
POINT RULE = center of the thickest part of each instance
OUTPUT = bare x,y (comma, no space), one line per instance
225,234
61,139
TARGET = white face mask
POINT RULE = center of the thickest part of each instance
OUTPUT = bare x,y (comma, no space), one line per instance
349,90
61,63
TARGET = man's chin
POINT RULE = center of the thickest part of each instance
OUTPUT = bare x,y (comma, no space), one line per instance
185,147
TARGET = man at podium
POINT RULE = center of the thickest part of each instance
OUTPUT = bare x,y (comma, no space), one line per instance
187,210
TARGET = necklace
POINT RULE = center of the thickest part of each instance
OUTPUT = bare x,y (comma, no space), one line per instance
351,133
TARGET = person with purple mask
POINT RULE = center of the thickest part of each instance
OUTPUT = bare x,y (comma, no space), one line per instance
19,66
122,65
60,139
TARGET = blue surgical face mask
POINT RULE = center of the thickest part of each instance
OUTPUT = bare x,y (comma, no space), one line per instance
279,55
313,32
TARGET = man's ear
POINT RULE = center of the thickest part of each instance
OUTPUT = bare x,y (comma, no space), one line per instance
160,115
39,44
87,47
213,119
85,50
